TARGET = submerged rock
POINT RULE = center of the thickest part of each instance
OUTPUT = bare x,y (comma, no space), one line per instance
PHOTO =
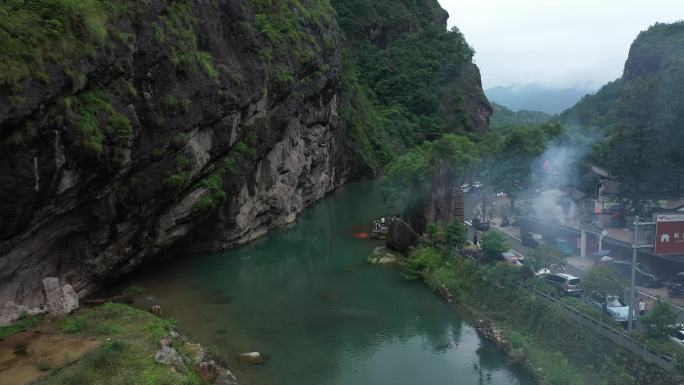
252,358
381,255
226,378
169,356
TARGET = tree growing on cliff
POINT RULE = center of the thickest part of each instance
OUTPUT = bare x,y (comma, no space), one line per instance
407,179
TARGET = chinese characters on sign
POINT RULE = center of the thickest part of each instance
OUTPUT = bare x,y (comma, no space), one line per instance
669,237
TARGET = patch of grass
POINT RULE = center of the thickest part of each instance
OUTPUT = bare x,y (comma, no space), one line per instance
132,291
24,322
73,325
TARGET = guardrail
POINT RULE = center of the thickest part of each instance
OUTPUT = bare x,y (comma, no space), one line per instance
617,336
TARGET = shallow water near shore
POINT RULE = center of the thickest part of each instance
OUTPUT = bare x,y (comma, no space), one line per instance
304,296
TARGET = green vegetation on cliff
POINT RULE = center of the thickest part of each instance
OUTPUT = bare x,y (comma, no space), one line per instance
34,33
640,116
417,77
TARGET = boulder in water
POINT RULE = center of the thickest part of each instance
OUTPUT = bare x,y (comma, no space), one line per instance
381,255
252,358
226,378
401,236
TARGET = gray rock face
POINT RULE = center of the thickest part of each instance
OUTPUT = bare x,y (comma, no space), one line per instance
168,356
58,299
401,236
70,212
53,295
69,299
11,312
444,201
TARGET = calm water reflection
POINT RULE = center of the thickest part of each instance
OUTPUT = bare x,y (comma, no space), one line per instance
304,296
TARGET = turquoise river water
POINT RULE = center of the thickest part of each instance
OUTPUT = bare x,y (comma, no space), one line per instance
304,296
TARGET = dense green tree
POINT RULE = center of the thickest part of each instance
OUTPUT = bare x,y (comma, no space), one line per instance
661,320
456,234
494,243
406,180
604,282
544,257
635,147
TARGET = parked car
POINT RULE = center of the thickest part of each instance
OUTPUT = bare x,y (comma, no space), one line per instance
465,188
566,284
532,239
477,186
481,225
615,307
676,287
678,334
643,276
511,257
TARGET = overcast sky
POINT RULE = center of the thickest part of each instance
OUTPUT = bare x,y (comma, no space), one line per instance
555,43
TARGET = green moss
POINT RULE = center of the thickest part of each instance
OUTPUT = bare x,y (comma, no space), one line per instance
179,140
170,102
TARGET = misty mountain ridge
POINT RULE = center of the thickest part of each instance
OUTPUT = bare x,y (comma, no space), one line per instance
505,117
534,97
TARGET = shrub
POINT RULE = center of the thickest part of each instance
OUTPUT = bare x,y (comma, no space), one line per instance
421,259
494,244
73,325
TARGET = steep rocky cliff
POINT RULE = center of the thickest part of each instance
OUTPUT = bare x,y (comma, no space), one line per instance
185,113
131,130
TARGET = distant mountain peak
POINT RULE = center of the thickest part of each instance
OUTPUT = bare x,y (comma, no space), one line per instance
535,97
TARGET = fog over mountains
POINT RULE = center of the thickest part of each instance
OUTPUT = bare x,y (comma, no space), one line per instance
536,97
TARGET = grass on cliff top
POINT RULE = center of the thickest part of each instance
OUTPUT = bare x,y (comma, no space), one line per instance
36,32
130,340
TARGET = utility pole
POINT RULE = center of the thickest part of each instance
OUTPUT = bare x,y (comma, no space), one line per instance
630,316
635,247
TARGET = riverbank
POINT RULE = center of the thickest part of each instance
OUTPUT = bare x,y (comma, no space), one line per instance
112,344
533,334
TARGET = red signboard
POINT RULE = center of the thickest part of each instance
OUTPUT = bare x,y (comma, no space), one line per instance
669,236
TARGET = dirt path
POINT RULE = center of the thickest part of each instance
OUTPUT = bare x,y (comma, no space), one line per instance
30,355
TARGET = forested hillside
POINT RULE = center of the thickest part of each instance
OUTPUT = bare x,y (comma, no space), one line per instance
418,77
503,117
640,116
